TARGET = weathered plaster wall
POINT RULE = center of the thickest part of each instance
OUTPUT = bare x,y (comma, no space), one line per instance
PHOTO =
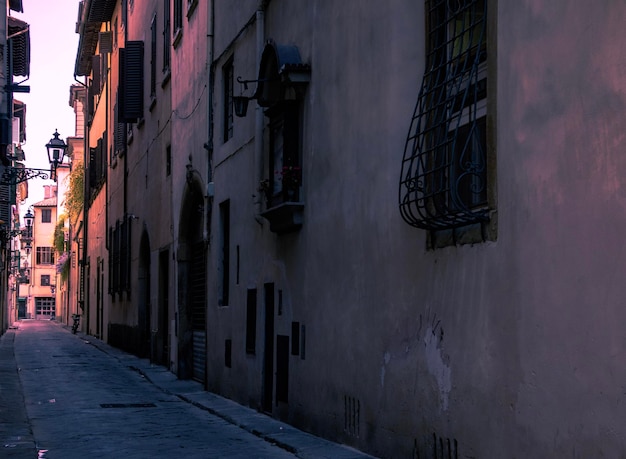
511,347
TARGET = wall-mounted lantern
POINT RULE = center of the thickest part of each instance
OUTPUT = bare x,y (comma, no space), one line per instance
56,152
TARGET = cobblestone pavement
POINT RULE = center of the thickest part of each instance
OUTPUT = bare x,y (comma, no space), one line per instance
65,396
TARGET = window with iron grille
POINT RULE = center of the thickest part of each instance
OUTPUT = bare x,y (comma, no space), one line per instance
444,177
44,256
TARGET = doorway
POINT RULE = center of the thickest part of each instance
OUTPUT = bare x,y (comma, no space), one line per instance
268,349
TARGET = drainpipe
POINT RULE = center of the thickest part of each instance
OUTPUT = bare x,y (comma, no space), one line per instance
208,204
258,127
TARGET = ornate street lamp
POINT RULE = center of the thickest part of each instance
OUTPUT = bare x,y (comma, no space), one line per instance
28,221
56,147
27,233
56,152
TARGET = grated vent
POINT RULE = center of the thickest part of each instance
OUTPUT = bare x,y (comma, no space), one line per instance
127,405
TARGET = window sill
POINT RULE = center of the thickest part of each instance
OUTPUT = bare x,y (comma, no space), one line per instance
286,217
178,35
191,8
167,75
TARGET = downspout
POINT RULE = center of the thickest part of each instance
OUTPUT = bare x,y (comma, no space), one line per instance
208,205
258,126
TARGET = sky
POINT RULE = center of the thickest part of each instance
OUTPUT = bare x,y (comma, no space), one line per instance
54,44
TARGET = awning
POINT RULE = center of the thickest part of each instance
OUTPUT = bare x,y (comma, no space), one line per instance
281,67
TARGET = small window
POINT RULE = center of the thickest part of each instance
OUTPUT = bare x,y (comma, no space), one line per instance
224,255
168,160
45,280
251,321
46,215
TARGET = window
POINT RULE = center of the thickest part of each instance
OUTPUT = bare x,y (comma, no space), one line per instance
46,215
124,13
45,256
131,77
168,160
251,321
153,56
281,87
228,82
224,266
119,257
284,161
115,32
45,280
167,39
444,179
45,306
178,16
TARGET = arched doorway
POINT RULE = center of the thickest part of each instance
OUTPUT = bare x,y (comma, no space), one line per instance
192,296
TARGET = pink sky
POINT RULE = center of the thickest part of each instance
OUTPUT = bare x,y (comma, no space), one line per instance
54,43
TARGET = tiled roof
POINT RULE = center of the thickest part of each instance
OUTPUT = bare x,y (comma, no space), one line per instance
48,202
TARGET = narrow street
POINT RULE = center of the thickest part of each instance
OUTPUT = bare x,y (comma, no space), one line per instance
71,396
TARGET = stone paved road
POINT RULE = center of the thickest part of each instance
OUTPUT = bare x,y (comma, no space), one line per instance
83,403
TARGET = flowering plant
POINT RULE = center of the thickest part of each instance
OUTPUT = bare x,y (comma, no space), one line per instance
264,186
292,176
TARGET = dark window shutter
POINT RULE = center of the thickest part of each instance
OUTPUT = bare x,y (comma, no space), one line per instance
131,82
99,154
105,42
103,158
5,204
119,132
95,81
90,101
92,168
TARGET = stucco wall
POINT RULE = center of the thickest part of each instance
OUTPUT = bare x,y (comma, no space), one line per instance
510,347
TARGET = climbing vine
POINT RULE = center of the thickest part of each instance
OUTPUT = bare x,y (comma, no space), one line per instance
75,193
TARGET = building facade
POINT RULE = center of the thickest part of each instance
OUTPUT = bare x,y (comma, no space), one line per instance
42,299
409,243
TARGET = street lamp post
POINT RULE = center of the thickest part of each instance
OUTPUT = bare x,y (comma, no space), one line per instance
12,175
56,152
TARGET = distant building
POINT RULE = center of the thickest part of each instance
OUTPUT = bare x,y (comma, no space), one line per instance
41,303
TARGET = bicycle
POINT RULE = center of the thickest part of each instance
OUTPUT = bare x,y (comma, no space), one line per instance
76,318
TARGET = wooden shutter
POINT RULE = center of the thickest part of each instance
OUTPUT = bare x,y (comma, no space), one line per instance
131,82
95,80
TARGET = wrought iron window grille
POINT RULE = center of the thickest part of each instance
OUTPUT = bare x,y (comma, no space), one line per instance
443,176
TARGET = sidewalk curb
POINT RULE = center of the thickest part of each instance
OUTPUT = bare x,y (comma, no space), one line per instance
283,435
16,437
